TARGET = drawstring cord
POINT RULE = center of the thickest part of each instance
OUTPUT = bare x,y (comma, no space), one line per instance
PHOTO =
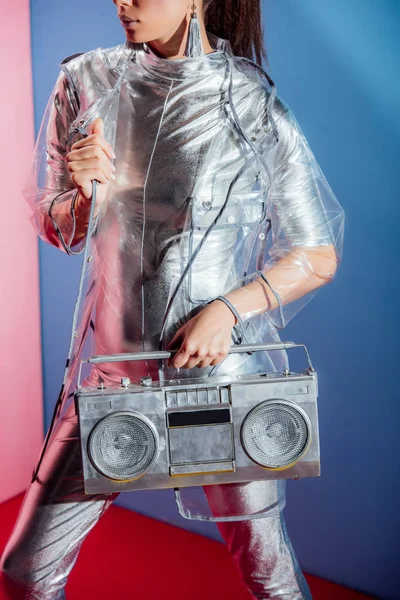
74,332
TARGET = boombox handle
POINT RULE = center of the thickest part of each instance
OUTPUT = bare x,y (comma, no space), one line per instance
159,354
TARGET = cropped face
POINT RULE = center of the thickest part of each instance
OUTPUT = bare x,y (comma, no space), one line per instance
147,20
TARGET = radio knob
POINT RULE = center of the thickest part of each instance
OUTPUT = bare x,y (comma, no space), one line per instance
146,380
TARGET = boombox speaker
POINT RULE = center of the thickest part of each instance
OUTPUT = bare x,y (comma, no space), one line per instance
189,432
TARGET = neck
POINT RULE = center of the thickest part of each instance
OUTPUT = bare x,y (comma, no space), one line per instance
173,47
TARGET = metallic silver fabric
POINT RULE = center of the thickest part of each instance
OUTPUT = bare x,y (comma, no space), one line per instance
212,170
56,516
212,174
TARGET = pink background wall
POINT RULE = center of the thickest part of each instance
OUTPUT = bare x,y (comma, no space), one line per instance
21,401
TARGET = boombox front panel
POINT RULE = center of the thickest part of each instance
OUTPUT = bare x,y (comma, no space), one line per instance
246,397
203,443
151,405
199,444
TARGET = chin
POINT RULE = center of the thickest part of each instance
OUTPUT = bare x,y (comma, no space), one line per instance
136,37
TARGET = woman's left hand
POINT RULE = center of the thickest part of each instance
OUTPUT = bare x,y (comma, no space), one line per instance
205,339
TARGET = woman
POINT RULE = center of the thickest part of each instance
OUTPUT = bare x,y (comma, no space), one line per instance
196,159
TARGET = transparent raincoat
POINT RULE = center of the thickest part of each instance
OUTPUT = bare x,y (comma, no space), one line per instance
215,183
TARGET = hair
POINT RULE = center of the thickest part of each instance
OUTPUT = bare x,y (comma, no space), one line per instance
239,22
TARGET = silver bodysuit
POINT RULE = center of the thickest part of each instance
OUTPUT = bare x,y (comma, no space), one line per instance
212,175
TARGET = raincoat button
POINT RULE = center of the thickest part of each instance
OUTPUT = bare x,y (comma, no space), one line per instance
262,236
206,203
76,334
89,258
231,219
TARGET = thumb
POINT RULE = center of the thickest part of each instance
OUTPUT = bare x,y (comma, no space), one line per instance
172,345
97,126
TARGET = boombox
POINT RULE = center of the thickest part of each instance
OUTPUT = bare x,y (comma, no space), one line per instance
190,432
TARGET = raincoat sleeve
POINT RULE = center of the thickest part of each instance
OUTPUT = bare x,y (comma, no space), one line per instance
49,189
305,222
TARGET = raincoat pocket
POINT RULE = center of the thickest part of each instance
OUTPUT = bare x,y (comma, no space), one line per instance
240,211
224,231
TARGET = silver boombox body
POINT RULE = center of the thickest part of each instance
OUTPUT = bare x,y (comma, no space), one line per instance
191,432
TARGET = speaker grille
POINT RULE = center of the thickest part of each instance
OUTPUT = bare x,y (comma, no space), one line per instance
275,433
123,445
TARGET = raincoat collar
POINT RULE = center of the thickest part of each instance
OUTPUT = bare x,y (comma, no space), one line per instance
186,67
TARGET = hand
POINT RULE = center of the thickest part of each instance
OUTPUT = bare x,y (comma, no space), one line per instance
205,339
91,158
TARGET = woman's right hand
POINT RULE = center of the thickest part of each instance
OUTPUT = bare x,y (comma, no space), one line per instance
91,158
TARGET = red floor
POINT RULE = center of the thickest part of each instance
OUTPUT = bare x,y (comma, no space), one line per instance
127,556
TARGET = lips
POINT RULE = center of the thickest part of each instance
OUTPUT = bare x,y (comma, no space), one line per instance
127,20
129,24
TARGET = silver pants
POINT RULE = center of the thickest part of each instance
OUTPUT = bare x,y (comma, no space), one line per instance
56,516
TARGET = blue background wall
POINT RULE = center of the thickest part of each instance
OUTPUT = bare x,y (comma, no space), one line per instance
336,64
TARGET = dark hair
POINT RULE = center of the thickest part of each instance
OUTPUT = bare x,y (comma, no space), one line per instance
239,22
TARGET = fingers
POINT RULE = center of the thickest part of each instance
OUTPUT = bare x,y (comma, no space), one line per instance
204,340
97,126
218,360
95,137
176,339
182,356
96,140
210,359
189,356
90,157
81,177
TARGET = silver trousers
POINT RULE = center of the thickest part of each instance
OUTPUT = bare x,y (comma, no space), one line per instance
56,516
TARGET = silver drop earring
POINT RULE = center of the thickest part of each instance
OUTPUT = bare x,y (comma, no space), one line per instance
194,46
